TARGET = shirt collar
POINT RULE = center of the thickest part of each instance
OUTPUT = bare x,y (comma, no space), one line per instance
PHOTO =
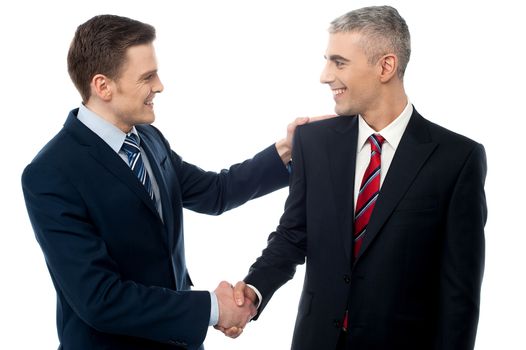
392,133
108,132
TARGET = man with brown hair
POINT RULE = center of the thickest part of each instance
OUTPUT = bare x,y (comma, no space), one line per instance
106,195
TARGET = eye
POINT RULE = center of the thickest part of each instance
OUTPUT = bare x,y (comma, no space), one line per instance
149,76
339,64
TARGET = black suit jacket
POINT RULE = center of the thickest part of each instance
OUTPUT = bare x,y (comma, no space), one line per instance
416,281
118,269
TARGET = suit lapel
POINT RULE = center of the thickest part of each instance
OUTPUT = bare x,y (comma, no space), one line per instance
106,157
158,163
342,164
414,149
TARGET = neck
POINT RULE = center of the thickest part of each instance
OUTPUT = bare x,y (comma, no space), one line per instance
390,105
101,109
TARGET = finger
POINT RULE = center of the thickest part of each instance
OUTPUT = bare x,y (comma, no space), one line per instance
219,328
239,293
253,312
233,332
301,120
224,284
237,334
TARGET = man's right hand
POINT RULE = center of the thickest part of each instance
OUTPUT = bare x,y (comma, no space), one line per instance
232,316
242,292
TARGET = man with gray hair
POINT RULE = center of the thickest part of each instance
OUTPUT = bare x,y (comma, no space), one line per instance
387,208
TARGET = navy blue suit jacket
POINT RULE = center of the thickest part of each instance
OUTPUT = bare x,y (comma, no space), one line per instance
416,281
118,269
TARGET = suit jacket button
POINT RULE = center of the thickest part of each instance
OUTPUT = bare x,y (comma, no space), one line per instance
337,323
347,279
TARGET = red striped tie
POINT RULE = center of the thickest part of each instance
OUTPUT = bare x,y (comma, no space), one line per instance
368,194
369,190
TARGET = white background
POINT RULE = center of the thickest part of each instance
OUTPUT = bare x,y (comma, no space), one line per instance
235,73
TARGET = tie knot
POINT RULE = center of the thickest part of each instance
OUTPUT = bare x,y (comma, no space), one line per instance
131,144
376,141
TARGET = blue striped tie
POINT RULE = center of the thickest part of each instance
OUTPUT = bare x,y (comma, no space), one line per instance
132,150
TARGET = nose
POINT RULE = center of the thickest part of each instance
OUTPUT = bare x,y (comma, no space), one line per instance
326,76
158,86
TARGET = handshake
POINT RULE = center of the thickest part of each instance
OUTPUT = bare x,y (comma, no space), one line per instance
237,306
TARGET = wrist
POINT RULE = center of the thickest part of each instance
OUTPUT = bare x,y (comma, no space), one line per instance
258,297
284,151
214,309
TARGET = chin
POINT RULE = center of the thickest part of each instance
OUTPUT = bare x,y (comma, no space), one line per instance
149,119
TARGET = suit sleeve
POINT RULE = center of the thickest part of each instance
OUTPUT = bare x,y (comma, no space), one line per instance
213,193
463,256
286,247
86,276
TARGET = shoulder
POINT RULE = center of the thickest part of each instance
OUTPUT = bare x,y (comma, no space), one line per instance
452,148
56,150
337,123
50,162
443,135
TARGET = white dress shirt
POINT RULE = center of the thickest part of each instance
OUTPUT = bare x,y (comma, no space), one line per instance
392,134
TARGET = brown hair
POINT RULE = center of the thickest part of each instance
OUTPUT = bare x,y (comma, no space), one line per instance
99,47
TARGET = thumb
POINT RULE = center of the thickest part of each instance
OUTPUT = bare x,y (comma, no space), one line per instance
239,293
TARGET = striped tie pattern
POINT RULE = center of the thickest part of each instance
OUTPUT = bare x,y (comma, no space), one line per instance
132,150
369,190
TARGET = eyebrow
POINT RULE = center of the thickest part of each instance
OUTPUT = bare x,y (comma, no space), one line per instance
144,75
337,58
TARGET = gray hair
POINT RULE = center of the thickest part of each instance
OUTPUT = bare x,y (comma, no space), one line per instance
384,30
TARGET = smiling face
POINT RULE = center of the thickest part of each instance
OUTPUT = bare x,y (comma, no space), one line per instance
354,81
132,93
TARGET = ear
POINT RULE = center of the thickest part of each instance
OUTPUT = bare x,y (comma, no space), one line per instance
388,67
101,87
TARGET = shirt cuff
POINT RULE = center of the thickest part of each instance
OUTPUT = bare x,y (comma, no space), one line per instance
289,166
214,309
260,298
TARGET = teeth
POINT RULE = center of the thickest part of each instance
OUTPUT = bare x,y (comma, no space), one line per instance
338,91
